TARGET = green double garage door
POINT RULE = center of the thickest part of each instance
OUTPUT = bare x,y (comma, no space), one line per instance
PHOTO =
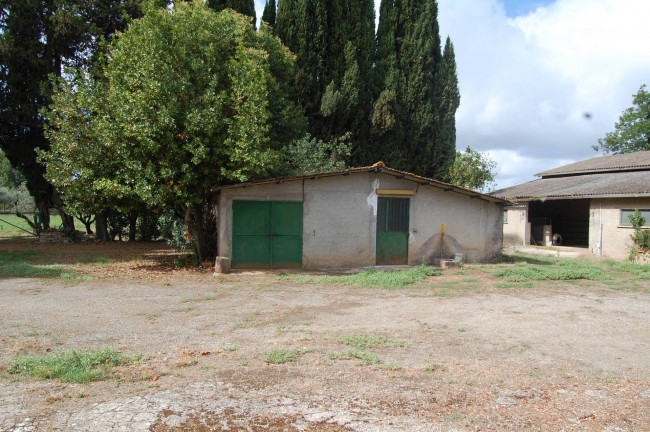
266,234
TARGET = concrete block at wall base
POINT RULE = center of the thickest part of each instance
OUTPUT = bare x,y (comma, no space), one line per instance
443,264
222,265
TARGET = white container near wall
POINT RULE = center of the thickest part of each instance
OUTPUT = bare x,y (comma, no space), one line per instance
548,235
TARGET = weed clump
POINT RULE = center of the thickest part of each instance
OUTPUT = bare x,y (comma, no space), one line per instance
564,270
280,356
72,366
365,341
391,280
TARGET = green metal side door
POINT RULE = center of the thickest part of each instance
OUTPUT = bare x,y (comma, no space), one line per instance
251,224
392,231
286,234
266,234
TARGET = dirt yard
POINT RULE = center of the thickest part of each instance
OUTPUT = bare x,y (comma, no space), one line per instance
457,352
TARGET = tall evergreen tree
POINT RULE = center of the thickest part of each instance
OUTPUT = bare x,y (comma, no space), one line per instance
268,16
449,97
246,7
333,41
410,110
387,117
347,101
38,38
286,23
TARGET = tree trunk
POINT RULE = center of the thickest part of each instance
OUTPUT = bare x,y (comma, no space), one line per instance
101,227
133,221
68,220
88,225
44,212
194,224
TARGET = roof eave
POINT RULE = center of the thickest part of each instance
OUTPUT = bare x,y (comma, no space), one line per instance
377,169
565,197
551,174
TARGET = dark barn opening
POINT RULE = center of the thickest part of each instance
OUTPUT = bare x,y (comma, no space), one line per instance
569,219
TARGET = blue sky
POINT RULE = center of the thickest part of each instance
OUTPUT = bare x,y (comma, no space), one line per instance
529,70
515,8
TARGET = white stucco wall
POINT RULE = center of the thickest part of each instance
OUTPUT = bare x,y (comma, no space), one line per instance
339,219
615,239
515,229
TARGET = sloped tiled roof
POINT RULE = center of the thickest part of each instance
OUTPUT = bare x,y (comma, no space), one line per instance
619,162
595,185
378,167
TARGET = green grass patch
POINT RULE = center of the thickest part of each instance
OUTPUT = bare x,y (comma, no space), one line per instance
280,356
523,267
10,226
392,280
7,228
15,265
94,259
73,277
392,366
640,271
73,366
511,285
363,342
6,257
471,280
25,269
544,268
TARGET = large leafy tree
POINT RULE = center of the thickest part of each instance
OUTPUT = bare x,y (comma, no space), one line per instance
473,170
38,38
416,92
632,131
191,99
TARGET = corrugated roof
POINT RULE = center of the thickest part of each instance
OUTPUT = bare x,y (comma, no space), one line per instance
378,167
600,185
619,162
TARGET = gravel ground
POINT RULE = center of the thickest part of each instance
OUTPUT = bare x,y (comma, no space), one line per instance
559,358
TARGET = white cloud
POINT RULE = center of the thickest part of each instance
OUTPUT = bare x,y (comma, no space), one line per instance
527,82
515,168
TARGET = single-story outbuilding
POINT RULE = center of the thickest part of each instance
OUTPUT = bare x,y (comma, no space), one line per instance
356,217
584,204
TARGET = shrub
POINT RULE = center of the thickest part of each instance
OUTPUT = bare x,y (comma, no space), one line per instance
640,237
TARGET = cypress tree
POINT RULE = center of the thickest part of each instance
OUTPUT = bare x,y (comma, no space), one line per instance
268,16
302,26
387,118
420,62
346,103
334,43
409,110
245,7
449,102
286,23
